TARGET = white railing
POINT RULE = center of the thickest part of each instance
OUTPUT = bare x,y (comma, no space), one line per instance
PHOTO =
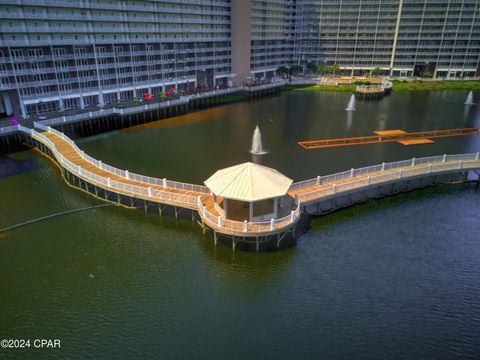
376,168
8,129
409,169
214,92
255,227
125,173
382,173
135,109
303,82
144,192
264,86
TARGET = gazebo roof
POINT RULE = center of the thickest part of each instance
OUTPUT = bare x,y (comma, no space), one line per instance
248,182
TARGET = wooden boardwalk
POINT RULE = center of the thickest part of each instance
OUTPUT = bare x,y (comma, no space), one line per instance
198,199
71,154
114,180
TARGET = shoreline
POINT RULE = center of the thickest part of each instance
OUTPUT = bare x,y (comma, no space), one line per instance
398,85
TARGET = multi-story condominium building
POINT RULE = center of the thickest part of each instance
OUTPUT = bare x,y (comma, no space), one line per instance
272,36
401,37
262,37
441,37
66,54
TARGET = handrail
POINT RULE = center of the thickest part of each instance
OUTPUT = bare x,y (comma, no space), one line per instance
249,226
143,191
133,109
377,174
8,129
265,86
374,168
415,167
125,173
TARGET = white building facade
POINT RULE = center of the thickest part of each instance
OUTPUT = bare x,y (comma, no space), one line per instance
58,55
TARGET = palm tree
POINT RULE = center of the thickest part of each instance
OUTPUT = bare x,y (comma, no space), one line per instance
335,68
311,67
321,69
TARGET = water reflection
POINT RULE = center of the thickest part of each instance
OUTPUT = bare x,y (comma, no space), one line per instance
225,137
349,120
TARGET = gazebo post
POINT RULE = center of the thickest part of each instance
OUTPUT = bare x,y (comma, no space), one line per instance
275,207
250,210
225,207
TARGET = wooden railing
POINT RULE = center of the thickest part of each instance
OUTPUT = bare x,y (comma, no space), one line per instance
375,139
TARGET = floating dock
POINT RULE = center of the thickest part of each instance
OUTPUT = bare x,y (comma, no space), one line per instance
400,136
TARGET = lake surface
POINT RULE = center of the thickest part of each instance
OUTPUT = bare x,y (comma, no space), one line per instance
393,278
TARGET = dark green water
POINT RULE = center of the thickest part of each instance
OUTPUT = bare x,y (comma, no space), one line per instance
394,278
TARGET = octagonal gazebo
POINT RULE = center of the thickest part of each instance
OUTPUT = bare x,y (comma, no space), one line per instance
250,192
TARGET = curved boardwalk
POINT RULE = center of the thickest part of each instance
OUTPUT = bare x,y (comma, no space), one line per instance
131,187
325,192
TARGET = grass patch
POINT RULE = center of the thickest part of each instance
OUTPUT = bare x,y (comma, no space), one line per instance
419,85
398,85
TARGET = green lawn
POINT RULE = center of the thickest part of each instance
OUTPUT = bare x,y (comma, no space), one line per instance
414,85
418,85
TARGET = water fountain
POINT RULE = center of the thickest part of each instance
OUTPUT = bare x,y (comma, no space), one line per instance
351,104
469,100
257,147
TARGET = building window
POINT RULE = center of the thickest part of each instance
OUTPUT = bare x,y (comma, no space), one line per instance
17,53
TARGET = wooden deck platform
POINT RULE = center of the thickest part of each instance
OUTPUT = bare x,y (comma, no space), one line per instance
415,141
390,132
385,136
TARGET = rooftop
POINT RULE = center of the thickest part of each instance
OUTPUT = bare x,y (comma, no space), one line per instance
248,182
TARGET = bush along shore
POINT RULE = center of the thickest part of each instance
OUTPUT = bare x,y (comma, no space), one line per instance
398,85
420,85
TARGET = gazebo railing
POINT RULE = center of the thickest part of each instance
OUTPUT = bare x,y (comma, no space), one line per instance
248,227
